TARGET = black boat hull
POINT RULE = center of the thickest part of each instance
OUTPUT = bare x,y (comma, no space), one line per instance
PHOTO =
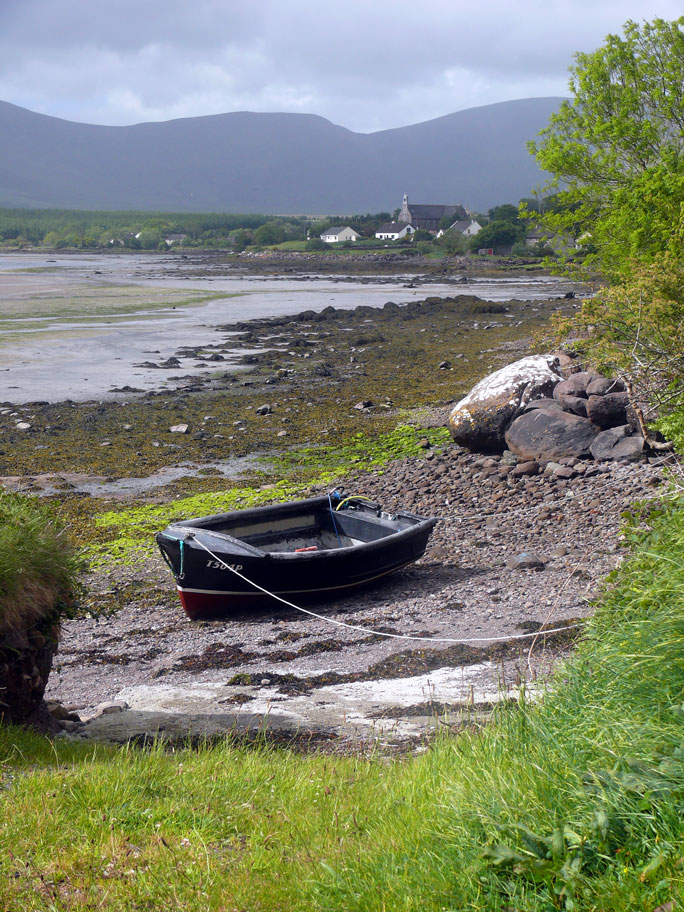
218,573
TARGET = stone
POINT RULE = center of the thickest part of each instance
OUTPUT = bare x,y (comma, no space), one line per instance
526,561
629,449
546,435
564,472
23,426
179,428
574,404
567,365
600,386
480,420
525,468
109,707
264,410
556,404
575,385
609,410
603,444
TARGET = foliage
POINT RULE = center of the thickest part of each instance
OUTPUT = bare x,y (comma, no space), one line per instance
270,233
616,149
499,234
38,567
635,330
452,242
506,212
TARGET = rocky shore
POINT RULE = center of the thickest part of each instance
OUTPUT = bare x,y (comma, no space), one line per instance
514,553
522,545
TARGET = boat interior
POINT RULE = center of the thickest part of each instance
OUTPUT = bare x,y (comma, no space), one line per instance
314,530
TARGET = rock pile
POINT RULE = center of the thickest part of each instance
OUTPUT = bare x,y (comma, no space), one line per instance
540,415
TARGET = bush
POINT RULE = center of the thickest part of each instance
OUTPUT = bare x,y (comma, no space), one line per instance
38,566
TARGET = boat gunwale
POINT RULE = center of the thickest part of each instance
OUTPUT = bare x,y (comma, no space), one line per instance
242,548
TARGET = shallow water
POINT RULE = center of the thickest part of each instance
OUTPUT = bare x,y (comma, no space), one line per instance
73,350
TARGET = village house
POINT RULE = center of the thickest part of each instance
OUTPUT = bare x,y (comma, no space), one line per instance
338,233
428,217
394,231
467,227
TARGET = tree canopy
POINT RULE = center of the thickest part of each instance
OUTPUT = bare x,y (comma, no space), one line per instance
616,148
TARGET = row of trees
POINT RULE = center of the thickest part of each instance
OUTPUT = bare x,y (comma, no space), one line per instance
56,229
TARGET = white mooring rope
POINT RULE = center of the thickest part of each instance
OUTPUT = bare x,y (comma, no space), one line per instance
394,636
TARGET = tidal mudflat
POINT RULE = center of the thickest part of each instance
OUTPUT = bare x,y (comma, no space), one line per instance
79,326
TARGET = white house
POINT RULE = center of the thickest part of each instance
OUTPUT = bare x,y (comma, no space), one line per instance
338,233
393,231
467,227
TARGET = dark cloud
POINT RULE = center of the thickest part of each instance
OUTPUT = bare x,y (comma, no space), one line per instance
363,65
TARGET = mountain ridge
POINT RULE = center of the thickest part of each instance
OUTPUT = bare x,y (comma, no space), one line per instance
245,161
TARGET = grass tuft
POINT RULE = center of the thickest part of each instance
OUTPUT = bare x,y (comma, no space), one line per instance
38,567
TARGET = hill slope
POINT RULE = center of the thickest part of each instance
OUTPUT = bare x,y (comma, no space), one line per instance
285,163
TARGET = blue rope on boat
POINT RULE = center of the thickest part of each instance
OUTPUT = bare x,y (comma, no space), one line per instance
182,554
332,513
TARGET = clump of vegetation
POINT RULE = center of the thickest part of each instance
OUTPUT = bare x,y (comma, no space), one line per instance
38,566
615,148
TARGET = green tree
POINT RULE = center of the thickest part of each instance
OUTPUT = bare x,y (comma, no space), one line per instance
616,148
453,242
498,234
507,212
270,233
150,238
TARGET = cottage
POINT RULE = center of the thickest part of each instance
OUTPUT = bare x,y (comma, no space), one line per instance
394,231
467,227
428,218
172,239
338,233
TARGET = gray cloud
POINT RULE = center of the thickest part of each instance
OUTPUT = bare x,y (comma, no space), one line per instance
363,65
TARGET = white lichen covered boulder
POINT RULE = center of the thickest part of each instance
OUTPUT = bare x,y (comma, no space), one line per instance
480,421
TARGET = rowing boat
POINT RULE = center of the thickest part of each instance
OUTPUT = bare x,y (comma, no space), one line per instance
314,548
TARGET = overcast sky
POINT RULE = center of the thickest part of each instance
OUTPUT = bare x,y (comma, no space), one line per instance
364,64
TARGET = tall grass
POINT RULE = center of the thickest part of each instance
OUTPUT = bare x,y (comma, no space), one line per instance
38,567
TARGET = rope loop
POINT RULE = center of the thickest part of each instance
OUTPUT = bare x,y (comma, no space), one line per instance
393,636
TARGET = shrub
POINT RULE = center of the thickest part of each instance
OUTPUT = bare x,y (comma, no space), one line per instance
38,566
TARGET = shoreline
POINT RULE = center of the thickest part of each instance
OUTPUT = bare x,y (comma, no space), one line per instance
328,377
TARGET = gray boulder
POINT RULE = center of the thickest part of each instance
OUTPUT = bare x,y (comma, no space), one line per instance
480,420
575,385
630,449
609,410
544,435
603,444
553,404
600,386
574,404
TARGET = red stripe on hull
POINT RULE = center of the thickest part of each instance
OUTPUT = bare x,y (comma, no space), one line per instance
205,606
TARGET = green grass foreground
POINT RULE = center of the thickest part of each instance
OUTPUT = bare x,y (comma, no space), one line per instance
574,802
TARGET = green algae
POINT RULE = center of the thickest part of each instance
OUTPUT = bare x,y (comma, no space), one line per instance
127,533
